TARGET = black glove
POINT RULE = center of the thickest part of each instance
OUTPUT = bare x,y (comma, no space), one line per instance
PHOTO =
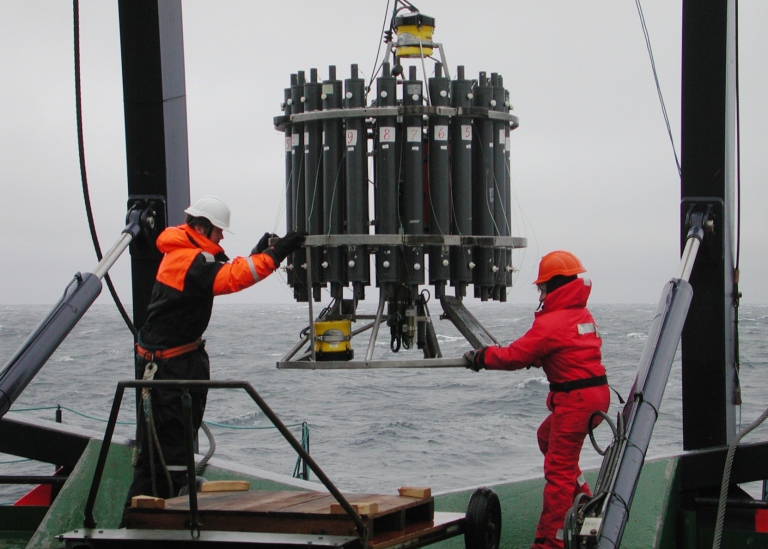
289,243
474,359
263,243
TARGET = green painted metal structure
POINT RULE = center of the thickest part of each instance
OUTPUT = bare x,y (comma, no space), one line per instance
658,520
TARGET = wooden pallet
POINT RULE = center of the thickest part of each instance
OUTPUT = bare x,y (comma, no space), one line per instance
389,519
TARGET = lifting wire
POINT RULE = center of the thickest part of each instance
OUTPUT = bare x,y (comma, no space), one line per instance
658,86
387,36
83,175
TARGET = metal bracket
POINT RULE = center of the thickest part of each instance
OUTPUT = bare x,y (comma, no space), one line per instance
152,221
704,215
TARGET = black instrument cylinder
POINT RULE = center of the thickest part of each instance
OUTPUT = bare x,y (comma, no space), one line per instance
334,187
298,199
356,143
386,199
412,198
501,186
507,193
483,190
289,213
439,196
461,182
313,190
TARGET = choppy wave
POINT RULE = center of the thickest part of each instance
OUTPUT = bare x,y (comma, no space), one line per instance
370,430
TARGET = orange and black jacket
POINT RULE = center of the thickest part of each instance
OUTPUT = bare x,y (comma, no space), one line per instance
193,270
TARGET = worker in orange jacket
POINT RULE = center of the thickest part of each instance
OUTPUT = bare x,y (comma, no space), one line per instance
194,270
565,342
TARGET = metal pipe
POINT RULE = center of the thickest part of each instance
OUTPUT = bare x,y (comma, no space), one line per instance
376,324
78,296
692,245
189,438
32,479
295,349
112,255
310,308
89,521
374,364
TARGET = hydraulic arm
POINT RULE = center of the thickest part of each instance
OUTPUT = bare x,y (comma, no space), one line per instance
78,296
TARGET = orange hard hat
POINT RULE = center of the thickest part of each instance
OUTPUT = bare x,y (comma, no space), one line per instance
556,263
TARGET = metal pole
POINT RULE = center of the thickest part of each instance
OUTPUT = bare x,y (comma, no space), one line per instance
376,324
307,459
88,521
308,264
112,255
689,257
189,436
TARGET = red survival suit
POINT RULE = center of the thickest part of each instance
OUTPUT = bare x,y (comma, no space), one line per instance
565,342
193,270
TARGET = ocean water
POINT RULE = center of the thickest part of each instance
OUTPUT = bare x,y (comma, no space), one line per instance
370,430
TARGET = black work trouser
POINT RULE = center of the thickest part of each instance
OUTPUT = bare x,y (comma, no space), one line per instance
168,419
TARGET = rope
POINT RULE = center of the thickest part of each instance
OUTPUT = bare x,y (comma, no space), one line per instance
152,438
727,478
214,423
203,463
200,467
299,470
81,414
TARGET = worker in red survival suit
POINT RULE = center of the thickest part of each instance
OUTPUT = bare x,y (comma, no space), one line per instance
565,342
193,270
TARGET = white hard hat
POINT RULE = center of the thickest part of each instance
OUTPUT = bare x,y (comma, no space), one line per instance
213,209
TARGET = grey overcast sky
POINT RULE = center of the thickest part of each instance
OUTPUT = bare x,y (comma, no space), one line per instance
592,165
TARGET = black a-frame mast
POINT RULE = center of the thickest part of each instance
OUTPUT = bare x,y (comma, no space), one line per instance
155,105
708,151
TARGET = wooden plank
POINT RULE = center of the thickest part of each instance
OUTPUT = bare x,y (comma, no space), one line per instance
337,525
284,501
360,507
444,526
289,512
323,507
253,500
147,502
225,486
415,492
